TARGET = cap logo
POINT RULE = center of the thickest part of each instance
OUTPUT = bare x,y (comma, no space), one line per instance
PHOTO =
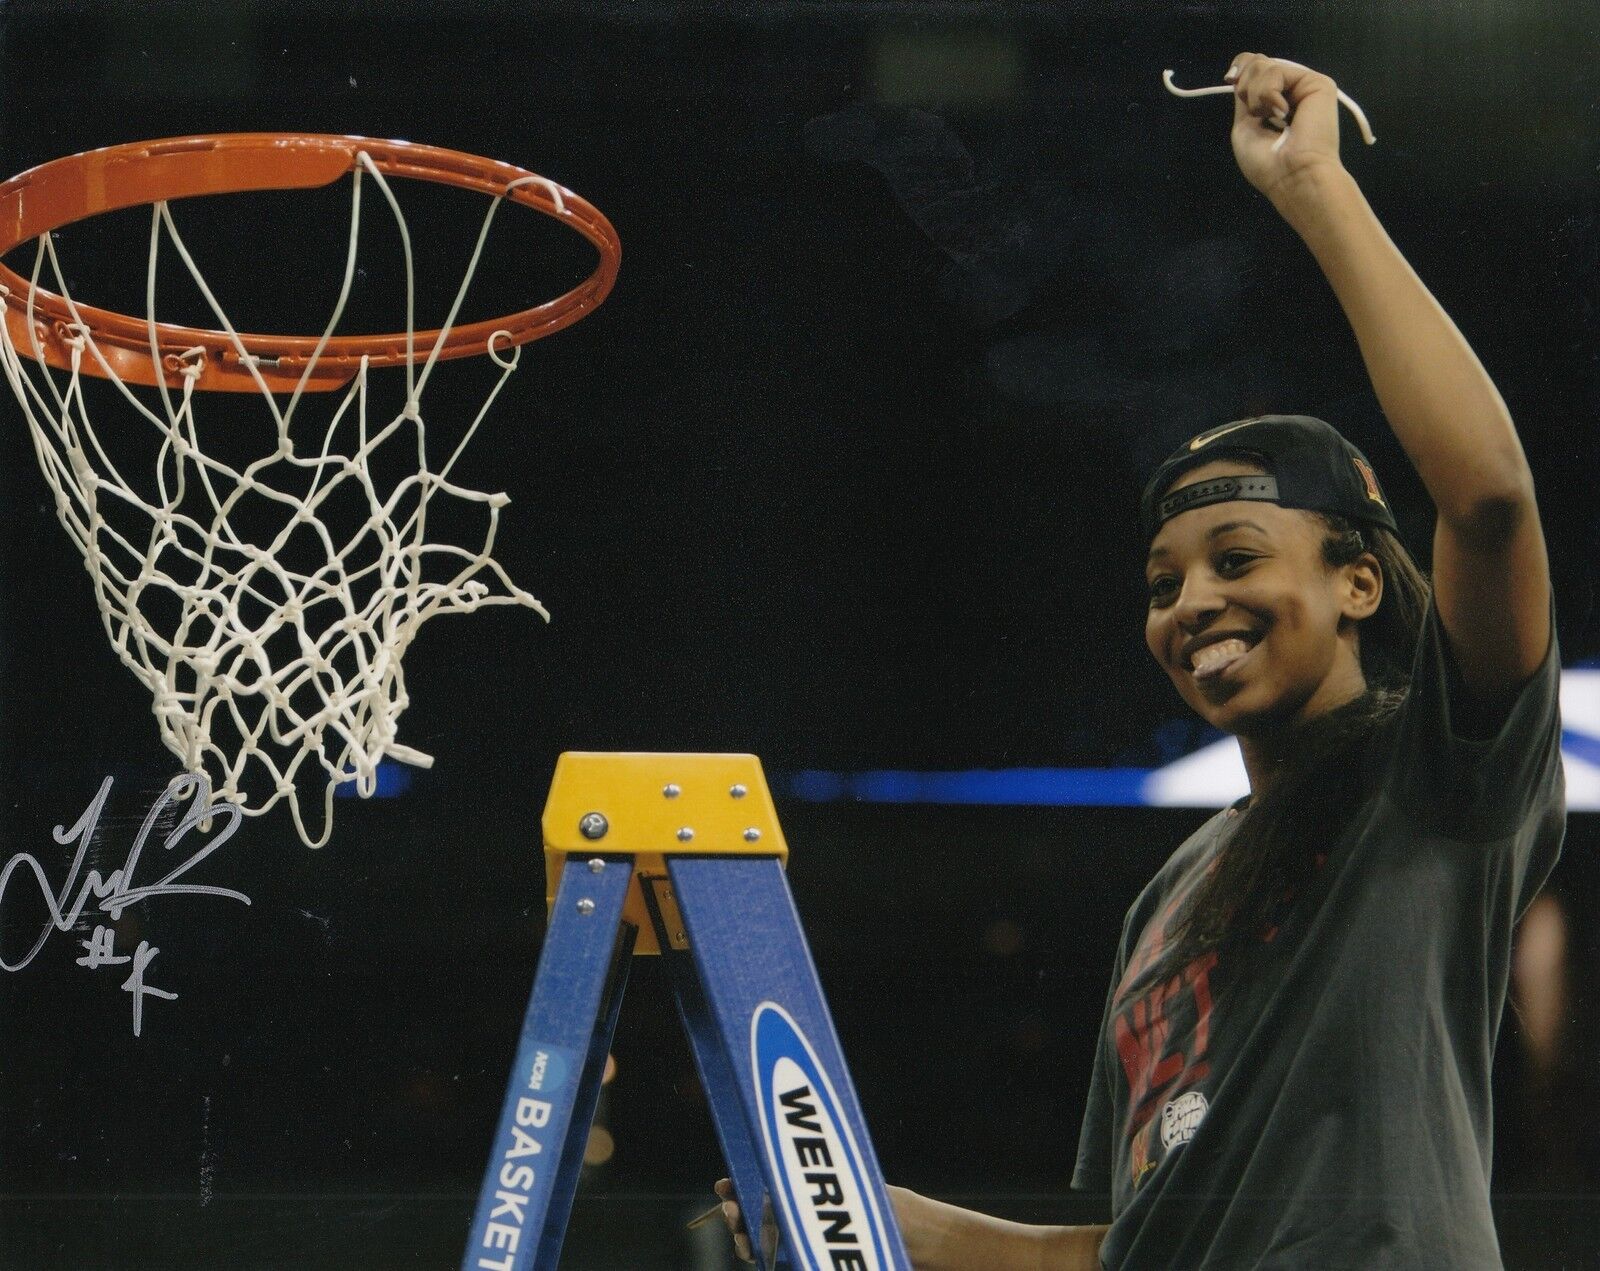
1370,481
1206,438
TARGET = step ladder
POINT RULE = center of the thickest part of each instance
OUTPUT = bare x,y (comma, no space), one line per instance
681,855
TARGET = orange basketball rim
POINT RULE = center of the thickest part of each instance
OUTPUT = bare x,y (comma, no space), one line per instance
79,186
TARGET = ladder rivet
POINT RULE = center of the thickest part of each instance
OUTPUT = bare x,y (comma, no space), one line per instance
596,866
752,834
593,826
685,834
586,906
671,790
681,938
738,792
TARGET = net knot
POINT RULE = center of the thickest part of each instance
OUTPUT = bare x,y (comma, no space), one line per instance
500,359
190,364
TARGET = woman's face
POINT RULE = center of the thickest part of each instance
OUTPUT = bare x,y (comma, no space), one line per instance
1246,616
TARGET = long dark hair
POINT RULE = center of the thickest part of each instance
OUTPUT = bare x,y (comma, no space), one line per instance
1272,853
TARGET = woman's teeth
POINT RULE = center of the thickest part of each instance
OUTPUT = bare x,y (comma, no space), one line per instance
1211,659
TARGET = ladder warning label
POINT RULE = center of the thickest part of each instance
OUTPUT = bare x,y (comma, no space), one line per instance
824,1187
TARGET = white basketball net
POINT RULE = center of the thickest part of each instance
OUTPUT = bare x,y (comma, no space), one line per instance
260,655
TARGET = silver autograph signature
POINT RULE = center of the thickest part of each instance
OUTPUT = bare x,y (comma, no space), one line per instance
112,894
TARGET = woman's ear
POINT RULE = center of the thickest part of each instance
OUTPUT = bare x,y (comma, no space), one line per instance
1363,587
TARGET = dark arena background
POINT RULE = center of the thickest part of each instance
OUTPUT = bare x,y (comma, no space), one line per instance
844,473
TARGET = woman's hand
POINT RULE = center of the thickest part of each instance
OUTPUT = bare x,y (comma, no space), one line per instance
911,1213
941,1237
1285,122
731,1216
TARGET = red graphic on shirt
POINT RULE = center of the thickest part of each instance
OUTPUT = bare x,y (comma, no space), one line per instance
1161,1038
1139,1162
1162,1035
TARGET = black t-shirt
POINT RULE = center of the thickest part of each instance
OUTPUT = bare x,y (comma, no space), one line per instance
1333,1110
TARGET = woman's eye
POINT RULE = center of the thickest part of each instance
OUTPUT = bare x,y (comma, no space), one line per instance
1164,588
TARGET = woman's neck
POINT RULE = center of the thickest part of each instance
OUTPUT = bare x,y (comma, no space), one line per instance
1267,751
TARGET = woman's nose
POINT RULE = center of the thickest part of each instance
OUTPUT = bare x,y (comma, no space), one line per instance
1199,601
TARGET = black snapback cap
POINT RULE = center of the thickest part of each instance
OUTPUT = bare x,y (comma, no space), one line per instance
1309,465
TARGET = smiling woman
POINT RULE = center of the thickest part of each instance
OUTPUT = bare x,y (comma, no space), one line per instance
1305,1001
1295,629
1315,565
1310,986
1294,1057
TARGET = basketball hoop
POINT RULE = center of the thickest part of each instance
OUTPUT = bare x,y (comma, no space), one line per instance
271,658
45,198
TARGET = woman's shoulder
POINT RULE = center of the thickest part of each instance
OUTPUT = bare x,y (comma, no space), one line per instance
1189,857
1423,764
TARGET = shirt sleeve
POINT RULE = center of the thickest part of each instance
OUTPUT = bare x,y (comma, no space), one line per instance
1478,789
1092,1172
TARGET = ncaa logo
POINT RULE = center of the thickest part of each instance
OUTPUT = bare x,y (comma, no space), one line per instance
1181,1118
823,1185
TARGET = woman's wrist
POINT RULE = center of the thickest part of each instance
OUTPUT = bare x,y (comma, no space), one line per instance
930,1229
1307,196
944,1237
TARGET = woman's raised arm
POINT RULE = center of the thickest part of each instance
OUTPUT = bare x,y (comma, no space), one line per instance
1490,573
